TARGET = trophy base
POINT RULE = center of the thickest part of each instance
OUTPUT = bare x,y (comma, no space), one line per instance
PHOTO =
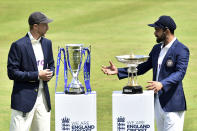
75,91
132,90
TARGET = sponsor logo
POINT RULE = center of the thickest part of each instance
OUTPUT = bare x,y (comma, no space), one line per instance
121,123
126,125
68,125
40,62
65,124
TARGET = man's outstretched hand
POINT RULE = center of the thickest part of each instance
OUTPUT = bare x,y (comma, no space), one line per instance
110,70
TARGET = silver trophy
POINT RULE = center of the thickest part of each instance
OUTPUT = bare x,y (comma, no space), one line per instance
74,58
132,62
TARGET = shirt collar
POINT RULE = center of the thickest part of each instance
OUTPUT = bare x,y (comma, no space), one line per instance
33,40
169,44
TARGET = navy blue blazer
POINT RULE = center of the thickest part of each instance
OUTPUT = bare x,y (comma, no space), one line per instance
171,74
22,68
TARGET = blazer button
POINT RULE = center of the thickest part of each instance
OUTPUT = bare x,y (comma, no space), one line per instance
36,90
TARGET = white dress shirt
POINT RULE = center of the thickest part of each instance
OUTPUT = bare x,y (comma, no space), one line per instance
164,50
38,54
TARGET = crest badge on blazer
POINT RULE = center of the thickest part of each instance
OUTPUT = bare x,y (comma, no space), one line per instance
169,63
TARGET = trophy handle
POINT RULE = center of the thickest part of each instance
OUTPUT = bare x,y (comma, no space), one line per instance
88,49
86,68
58,66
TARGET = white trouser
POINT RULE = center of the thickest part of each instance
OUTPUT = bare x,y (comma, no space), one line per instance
168,121
38,119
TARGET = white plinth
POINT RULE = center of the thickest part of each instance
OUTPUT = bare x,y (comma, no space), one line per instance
75,112
133,112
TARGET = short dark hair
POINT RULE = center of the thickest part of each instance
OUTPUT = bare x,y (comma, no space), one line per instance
171,30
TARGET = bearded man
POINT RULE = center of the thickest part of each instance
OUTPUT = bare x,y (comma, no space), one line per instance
169,60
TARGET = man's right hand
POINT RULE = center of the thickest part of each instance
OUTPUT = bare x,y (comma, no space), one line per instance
45,75
110,70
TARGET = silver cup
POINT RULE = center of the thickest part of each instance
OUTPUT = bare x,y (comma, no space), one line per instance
74,59
132,62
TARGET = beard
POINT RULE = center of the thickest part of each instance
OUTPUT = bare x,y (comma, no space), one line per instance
161,38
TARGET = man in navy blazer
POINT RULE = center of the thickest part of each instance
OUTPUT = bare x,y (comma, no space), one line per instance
31,65
169,60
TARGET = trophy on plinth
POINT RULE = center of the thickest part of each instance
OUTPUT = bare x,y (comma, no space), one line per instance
73,58
75,53
132,62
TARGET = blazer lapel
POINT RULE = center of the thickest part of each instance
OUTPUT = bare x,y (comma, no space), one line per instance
168,54
156,56
43,44
30,52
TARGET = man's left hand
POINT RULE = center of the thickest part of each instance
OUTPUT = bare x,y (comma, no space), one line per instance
154,85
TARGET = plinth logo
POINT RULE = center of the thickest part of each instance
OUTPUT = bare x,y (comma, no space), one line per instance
65,124
68,125
121,123
126,125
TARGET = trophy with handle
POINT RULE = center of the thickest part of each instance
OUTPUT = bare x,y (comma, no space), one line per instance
75,53
132,62
74,61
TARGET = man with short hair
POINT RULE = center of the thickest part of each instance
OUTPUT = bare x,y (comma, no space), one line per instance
169,60
31,65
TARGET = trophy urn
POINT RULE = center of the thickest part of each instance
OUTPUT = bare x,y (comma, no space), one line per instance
132,62
75,54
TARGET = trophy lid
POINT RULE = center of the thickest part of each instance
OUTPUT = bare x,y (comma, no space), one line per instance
132,59
74,45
